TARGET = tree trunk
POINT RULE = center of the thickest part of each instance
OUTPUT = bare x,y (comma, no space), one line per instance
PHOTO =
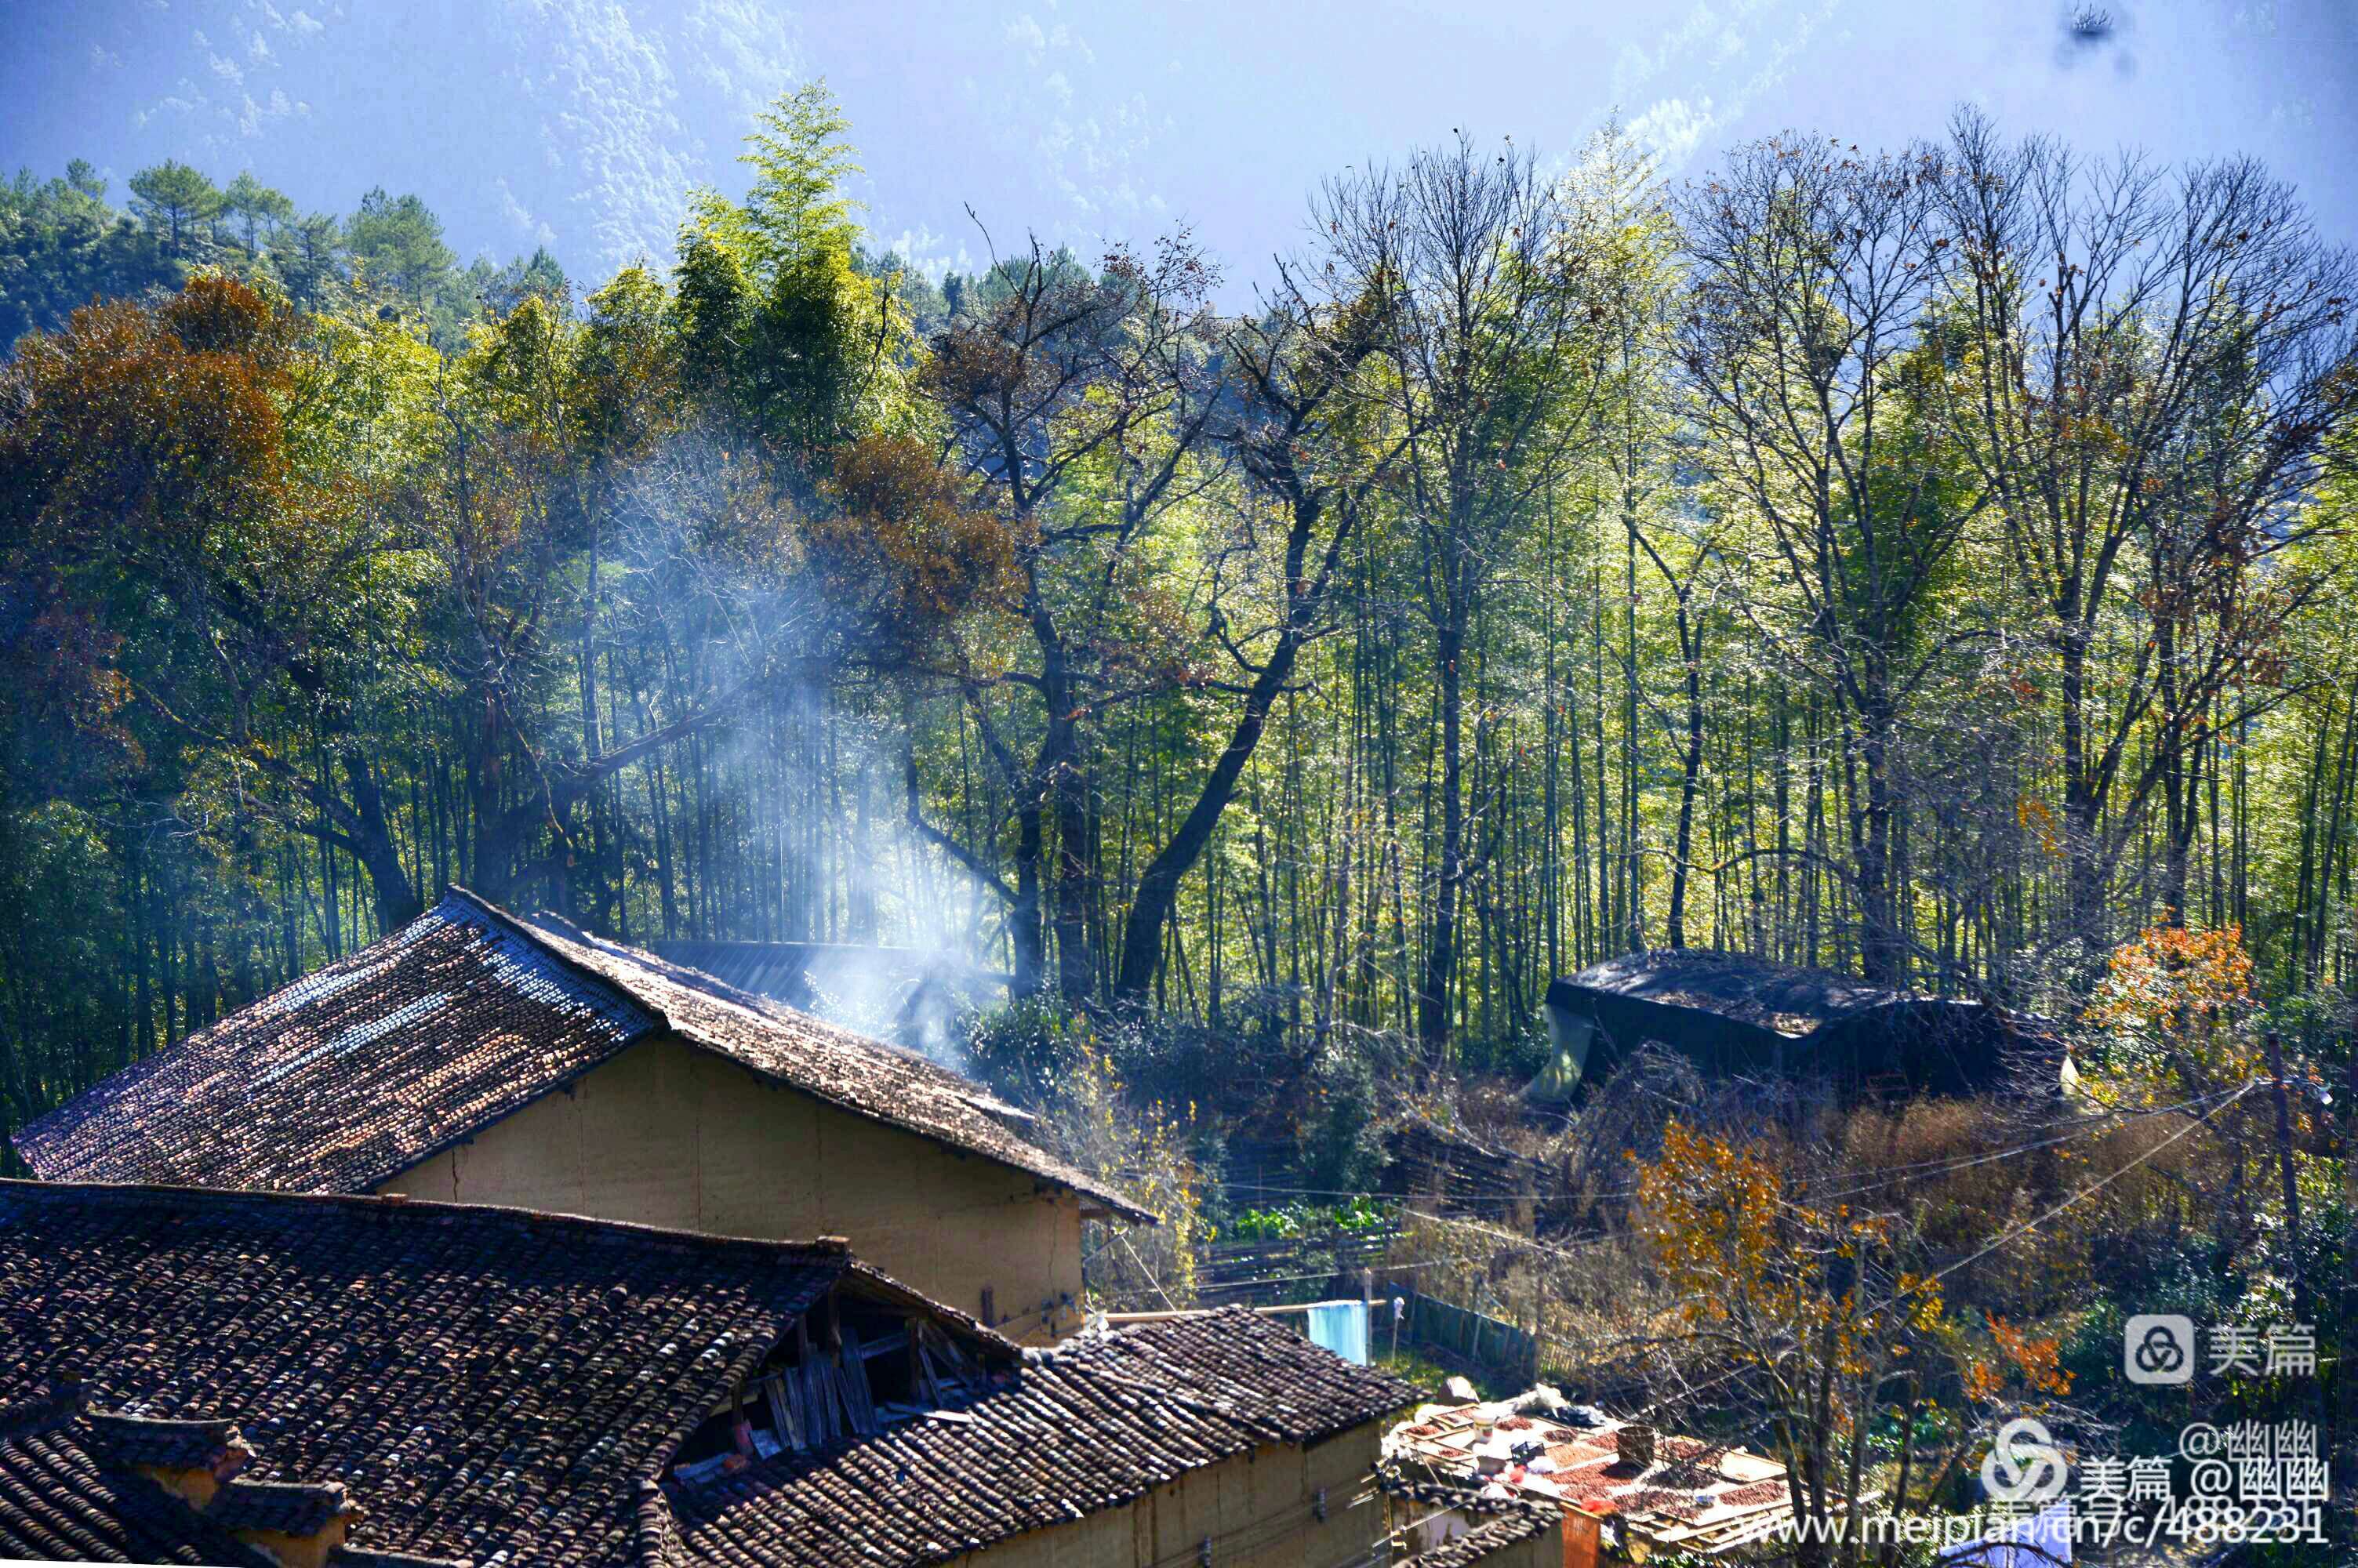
1075,875
1432,1019
1024,929
1883,956
373,840
2082,803
1691,775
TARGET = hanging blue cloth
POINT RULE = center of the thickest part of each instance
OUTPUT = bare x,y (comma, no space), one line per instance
1342,1327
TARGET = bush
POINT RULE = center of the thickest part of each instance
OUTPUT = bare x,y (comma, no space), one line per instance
1517,1058
1350,1219
1025,1050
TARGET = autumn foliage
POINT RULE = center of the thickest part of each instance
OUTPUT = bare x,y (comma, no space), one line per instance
143,459
2177,1004
904,542
1821,1317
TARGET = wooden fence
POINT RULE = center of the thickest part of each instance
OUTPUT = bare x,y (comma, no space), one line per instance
1457,1336
1289,1269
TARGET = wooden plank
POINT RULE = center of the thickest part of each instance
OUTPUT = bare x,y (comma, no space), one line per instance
781,1415
884,1345
858,1397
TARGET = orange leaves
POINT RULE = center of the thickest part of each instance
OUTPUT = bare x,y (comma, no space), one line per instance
2180,1003
2172,982
2035,1361
1815,1296
1709,1209
2018,1359
161,419
215,314
143,451
2034,818
904,542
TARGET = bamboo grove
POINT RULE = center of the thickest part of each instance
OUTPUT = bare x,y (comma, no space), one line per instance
1933,564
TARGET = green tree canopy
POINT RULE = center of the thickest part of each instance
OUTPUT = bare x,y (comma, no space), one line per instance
176,202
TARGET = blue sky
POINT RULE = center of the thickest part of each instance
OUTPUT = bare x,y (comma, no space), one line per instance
582,123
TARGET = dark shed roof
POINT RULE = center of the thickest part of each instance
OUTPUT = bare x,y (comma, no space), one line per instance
1091,1425
1732,1012
374,1063
1774,997
480,1378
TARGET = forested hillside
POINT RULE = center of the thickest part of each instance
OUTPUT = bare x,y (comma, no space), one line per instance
1930,562
1933,565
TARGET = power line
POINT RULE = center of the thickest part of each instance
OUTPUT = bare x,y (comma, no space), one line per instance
2098,1185
1889,1176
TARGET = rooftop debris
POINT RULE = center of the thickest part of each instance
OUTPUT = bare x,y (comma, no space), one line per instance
1664,1491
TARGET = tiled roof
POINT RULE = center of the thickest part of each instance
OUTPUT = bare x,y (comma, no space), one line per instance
290,1507
480,1379
375,1062
1089,1426
863,1075
1491,1537
68,1494
1504,1521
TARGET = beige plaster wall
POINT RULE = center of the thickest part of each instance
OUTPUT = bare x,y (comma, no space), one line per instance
668,1134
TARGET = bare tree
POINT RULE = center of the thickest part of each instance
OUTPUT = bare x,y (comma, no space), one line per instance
1496,377
1056,373
1814,268
2152,367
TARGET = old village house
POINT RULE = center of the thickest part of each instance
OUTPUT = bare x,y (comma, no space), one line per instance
478,1056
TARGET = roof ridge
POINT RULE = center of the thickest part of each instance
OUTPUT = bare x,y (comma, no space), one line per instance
54,1406
522,927
231,1199
702,989
767,1009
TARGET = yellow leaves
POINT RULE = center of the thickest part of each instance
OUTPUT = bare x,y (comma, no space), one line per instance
2032,815
2184,998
